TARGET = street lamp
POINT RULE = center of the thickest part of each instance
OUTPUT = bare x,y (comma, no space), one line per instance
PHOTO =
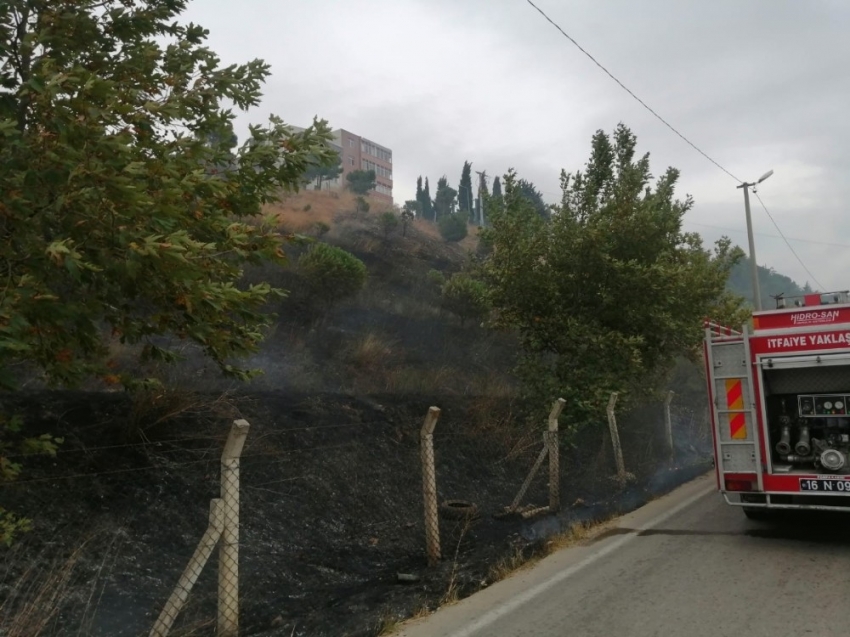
753,264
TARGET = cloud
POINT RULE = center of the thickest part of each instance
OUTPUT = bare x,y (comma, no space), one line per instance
756,85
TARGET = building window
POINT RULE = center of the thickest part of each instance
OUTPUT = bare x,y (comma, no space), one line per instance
379,170
384,190
376,151
351,143
350,160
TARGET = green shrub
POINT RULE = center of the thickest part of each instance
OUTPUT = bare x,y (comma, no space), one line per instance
361,205
331,273
387,222
453,227
321,228
435,277
465,297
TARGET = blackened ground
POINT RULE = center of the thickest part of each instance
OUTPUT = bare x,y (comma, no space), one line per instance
331,508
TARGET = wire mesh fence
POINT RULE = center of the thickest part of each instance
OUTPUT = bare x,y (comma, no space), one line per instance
314,521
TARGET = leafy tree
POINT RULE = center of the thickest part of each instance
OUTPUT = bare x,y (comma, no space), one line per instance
453,227
497,188
388,221
361,206
127,211
608,293
319,173
107,110
332,274
428,211
465,297
361,181
464,189
12,445
444,199
530,192
408,214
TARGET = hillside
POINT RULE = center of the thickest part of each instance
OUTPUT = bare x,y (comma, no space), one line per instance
332,508
771,284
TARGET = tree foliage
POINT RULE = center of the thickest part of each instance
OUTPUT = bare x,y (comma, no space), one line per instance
331,273
497,188
361,181
453,227
465,297
114,213
13,447
611,289
408,214
420,193
428,211
534,196
328,170
445,199
464,189
771,284
387,222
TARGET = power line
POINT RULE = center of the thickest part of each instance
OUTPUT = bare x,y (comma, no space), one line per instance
772,236
629,91
666,123
775,225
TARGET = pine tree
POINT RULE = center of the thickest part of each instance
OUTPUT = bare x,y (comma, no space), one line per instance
464,189
427,205
419,192
482,192
497,188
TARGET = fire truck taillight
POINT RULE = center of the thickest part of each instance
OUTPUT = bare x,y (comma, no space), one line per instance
740,485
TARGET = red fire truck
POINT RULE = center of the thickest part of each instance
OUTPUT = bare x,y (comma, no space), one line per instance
779,394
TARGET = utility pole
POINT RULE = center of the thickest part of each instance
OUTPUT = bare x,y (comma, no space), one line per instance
754,269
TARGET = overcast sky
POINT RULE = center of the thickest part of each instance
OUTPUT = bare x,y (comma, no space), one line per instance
756,84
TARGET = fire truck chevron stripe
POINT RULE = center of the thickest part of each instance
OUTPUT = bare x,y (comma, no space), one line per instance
735,403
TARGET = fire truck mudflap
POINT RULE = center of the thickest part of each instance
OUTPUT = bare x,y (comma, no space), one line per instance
780,407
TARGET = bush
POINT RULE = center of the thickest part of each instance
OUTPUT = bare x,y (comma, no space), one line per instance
387,222
332,274
435,277
321,228
361,206
453,227
465,297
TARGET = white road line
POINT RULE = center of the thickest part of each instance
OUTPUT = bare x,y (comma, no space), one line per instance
508,607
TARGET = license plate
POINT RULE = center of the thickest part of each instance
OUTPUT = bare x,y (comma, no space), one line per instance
836,485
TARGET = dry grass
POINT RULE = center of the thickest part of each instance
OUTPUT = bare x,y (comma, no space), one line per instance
412,380
37,599
387,624
372,353
510,564
152,407
429,229
519,560
300,212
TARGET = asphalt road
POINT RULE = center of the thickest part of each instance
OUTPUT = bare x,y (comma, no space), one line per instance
685,565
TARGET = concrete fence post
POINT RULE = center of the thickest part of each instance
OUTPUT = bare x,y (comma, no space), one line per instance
429,487
615,439
193,570
668,425
228,566
554,455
